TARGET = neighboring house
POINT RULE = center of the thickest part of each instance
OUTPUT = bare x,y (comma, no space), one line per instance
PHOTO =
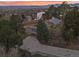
54,21
39,15
32,45
55,26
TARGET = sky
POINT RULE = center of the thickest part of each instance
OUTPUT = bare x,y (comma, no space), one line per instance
12,3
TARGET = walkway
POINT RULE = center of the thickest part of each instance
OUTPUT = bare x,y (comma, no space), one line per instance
32,44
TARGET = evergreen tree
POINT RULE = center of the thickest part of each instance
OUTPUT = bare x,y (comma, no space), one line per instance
11,32
52,11
16,24
63,8
71,24
42,32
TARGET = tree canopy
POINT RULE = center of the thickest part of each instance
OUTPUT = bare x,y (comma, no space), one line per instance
42,32
11,32
71,24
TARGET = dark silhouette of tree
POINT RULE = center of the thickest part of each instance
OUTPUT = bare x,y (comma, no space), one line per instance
57,11
63,8
52,11
42,32
11,32
71,26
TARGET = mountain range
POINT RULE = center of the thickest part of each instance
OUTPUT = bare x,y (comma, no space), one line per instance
23,7
31,7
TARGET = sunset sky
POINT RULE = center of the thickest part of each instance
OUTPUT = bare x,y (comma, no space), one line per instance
7,3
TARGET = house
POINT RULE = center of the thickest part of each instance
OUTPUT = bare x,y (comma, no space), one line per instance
55,24
55,27
39,15
54,21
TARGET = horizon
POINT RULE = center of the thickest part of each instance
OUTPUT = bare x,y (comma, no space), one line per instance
32,3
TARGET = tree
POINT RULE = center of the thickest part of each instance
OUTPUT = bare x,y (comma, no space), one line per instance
71,24
57,11
52,11
42,32
64,4
63,8
11,32
16,24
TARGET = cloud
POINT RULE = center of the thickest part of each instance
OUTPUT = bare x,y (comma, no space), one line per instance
32,2
29,2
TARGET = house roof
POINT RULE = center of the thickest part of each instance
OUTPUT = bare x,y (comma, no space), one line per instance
39,15
54,21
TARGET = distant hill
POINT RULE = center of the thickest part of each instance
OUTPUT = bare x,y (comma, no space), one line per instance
32,7
23,7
